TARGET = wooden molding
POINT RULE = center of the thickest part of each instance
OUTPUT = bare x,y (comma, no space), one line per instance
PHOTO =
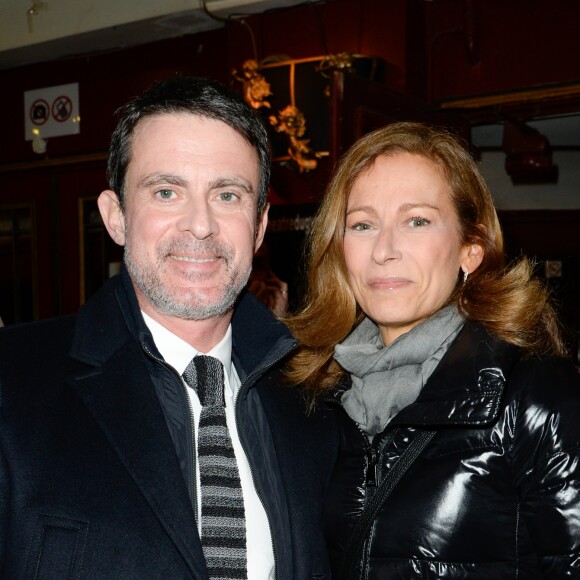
56,162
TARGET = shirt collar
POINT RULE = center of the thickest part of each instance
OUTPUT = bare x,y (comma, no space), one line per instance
179,353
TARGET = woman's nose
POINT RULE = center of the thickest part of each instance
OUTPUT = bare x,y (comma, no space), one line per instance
386,246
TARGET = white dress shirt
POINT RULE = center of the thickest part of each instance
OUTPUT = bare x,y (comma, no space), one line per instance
178,354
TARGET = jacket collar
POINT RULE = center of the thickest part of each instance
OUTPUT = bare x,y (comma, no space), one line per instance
112,317
101,328
467,386
259,339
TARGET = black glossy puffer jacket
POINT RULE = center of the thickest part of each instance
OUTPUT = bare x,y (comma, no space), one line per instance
494,495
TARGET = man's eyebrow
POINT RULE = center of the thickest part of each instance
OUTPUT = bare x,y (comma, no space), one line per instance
232,182
159,178
172,179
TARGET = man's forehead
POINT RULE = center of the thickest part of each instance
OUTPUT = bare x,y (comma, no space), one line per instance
180,116
208,125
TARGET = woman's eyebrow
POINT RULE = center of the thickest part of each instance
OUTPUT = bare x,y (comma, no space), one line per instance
364,208
409,206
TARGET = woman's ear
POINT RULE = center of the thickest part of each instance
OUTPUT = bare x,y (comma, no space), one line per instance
472,256
112,214
472,253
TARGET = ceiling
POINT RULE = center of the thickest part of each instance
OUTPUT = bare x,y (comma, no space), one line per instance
33,31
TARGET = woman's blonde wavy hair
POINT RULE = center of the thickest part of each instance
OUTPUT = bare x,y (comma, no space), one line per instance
507,300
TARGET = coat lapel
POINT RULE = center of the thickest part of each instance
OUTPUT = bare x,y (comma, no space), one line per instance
121,398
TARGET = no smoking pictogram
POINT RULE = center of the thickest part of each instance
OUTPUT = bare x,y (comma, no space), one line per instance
62,108
39,112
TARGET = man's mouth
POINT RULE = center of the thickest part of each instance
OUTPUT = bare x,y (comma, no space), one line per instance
193,260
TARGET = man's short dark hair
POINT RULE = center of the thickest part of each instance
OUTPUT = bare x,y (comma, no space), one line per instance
197,96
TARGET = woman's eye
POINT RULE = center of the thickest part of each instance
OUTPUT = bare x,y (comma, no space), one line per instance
164,193
417,222
359,227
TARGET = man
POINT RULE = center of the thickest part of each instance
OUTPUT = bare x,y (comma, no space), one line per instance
112,465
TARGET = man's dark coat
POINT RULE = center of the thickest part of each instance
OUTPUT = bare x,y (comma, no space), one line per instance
91,484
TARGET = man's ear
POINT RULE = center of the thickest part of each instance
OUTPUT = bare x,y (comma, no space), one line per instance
112,215
261,227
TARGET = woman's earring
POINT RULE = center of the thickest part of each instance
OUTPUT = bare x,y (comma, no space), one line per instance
465,275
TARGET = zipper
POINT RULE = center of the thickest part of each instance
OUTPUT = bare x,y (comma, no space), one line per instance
253,377
371,478
372,459
191,431
372,469
371,482
359,540
192,454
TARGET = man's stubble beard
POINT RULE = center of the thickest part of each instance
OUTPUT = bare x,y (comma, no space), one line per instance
193,305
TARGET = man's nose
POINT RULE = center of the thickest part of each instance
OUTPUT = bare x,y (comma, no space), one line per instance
198,219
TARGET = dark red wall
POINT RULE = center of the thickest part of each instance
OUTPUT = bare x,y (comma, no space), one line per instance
514,44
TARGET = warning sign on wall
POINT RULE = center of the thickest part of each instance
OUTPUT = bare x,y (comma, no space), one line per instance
52,111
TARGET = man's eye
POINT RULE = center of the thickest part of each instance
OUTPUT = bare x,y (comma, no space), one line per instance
164,193
228,196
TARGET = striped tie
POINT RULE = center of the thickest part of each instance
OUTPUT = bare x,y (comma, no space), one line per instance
223,525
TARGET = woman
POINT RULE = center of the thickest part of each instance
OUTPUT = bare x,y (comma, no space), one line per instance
460,449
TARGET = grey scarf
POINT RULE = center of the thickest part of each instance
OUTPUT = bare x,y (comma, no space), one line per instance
387,379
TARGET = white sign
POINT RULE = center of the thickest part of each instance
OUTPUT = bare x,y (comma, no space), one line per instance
52,111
